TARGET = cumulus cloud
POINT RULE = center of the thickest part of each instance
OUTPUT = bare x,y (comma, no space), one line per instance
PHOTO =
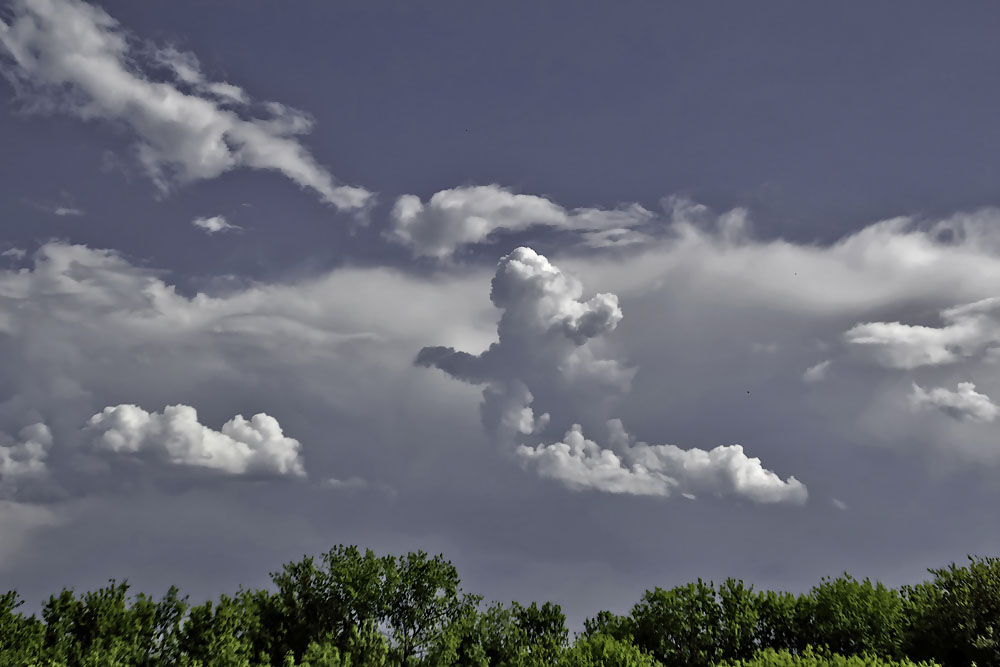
215,224
967,330
544,332
24,459
175,436
639,468
963,404
461,216
74,57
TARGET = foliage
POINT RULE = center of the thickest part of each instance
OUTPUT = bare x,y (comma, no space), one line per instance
955,618
353,608
811,658
603,651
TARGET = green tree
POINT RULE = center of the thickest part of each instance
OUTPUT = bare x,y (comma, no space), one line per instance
424,600
955,618
822,658
851,617
20,637
739,620
680,626
599,650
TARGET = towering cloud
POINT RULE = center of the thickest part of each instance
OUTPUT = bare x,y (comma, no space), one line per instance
175,436
74,57
544,337
462,216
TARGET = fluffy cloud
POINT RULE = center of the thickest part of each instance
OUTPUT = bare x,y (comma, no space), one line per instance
24,458
544,332
467,215
658,470
254,446
215,224
963,404
74,57
967,330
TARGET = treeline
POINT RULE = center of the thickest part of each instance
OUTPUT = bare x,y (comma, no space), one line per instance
356,609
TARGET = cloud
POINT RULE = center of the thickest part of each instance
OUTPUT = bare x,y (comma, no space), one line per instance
963,404
467,215
967,330
254,446
328,356
544,332
24,459
349,484
215,224
14,253
816,373
658,470
73,57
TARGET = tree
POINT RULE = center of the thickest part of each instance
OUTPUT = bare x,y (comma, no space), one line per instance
851,617
423,601
955,618
603,651
679,626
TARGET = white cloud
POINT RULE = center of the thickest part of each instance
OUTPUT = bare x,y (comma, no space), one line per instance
215,224
839,504
467,215
14,253
816,372
967,330
254,446
963,404
74,57
543,333
24,459
658,470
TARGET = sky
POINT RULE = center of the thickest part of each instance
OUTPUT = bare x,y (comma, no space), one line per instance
590,297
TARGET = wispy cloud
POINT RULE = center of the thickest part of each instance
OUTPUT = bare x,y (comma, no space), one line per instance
73,57
215,224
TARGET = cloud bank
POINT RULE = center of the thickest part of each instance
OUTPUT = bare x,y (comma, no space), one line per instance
73,57
543,333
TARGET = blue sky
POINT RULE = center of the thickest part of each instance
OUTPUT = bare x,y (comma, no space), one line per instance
733,264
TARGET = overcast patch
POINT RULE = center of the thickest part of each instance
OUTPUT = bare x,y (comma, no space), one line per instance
23,460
